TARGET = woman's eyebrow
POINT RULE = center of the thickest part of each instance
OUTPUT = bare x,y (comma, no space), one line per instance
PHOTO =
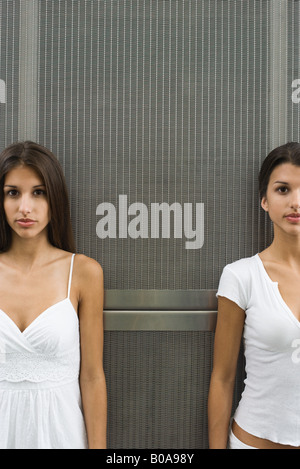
281,182
38,185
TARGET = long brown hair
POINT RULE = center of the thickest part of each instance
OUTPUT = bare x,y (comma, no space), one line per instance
49,169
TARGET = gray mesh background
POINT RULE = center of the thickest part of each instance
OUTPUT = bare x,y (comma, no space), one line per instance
164,101
293,70
173,101
158,390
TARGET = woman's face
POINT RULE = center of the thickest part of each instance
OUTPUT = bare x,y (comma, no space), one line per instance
25,202
282,200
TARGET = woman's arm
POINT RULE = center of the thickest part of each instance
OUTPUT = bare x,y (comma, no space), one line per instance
92,379
228,335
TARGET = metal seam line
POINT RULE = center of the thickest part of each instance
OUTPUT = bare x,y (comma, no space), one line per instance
278,69
28,70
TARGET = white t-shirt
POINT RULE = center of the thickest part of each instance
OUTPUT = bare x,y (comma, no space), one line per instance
270,404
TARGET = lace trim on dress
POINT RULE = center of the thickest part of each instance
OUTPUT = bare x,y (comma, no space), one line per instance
16,366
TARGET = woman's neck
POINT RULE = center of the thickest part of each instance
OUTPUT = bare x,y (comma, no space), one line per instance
29,252
284,249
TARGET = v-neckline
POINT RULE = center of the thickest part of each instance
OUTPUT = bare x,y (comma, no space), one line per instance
37,317
67,298
277,291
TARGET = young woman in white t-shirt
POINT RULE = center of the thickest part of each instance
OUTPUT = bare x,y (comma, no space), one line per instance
259,300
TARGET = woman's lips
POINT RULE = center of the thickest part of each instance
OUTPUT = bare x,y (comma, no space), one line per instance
25,222
293,217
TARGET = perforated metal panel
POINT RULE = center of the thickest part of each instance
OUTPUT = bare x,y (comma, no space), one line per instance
161,102
158,390
158,102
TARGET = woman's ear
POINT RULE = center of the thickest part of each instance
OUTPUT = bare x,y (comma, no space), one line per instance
264,204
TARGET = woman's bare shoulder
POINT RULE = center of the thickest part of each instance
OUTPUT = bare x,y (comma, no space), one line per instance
87,268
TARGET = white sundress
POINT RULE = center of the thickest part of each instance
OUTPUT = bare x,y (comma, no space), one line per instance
40,401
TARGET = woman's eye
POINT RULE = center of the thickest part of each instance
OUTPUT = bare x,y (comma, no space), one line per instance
39,192
282,190
12,193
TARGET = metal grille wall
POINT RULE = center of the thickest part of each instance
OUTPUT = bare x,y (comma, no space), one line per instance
148,102
163,102
164,378
154,386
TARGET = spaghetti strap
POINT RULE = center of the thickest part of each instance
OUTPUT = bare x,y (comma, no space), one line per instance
70,275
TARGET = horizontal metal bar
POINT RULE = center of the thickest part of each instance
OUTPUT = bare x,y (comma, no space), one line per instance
160,310
160,320
160,300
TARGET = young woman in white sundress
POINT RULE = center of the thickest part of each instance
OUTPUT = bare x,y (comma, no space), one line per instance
259,300
52,383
